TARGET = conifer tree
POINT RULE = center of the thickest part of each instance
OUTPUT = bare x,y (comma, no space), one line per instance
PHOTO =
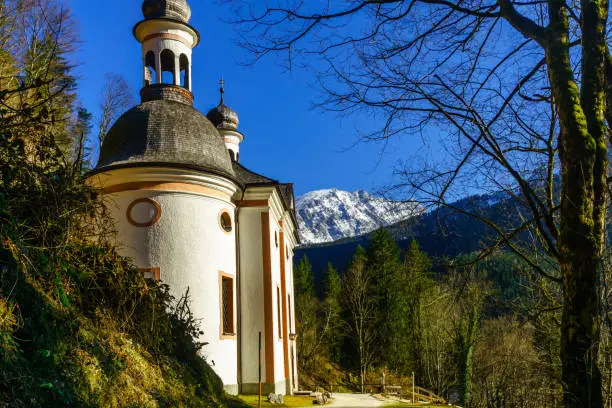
306,307
40,40
332,311
331,283
383,264
415,282
303,278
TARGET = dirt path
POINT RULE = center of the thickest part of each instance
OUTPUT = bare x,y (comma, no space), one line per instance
355,400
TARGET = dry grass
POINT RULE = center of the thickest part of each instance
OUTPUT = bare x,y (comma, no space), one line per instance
407,405
290,401
400,405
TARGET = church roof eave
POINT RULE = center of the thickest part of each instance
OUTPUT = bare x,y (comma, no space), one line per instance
193,31
203,169
250,178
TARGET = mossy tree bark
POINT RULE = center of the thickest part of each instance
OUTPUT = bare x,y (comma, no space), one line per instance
583,161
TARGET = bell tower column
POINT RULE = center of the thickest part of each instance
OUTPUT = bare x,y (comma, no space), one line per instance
167,42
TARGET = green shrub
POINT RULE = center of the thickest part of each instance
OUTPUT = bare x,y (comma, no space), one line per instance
79,325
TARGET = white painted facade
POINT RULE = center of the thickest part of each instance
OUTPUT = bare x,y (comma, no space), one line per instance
187,243
232,141
189,248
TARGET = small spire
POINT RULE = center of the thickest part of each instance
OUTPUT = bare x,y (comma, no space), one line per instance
222,89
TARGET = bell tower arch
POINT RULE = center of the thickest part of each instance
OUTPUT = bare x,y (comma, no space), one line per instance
167,42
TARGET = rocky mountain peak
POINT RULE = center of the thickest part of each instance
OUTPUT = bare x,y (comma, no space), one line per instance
332,214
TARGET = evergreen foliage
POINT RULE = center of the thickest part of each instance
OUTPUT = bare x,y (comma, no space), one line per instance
306,308
332,310
304,278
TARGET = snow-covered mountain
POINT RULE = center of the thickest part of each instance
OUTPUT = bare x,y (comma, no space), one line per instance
329,215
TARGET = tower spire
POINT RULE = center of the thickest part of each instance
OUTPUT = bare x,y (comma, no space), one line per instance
222,89
225,120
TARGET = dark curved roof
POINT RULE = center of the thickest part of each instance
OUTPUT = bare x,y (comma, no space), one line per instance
175,9
164,132
249,177
223,117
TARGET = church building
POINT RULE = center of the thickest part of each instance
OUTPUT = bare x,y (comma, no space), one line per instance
189,214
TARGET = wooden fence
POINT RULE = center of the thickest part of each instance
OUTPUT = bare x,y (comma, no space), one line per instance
421,395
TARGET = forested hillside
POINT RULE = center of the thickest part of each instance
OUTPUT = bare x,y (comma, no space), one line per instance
79,325
443,233
473,331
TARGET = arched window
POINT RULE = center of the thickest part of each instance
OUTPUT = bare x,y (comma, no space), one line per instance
150,76
167,67
232,156
184,70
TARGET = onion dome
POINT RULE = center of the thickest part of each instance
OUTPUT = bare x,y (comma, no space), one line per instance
173,9
222,116
165,133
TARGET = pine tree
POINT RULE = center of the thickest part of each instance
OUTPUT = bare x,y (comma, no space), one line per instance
46,86
415,282
332,312
331,282
303,277
306,308
383,264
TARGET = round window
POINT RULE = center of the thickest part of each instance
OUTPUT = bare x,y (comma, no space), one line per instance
143,212
226,221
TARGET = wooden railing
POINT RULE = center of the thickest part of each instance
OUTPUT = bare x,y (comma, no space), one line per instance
421,395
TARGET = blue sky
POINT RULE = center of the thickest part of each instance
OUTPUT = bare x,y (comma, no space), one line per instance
285,138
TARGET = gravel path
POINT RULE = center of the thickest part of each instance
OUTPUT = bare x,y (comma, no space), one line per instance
355,400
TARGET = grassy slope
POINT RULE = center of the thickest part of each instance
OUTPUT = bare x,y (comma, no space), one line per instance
79,325
62,357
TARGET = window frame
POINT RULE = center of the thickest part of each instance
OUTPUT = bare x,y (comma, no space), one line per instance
147,200
155,270
279,311
225,334
222,213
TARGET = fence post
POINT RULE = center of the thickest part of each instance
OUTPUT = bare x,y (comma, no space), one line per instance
259,399
413,401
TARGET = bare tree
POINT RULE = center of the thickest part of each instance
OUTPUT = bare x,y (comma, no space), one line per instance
361,308
115,98
520,91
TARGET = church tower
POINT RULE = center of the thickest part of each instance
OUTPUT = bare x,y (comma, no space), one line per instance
170,185
167,43
186,212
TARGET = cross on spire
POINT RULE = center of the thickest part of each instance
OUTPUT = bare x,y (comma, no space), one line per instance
222,88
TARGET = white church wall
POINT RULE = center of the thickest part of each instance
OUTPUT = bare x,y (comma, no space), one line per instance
291,319
190,249
252,295
279,361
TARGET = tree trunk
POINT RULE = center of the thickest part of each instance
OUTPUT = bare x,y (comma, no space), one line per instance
468,357
580,332
583,162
